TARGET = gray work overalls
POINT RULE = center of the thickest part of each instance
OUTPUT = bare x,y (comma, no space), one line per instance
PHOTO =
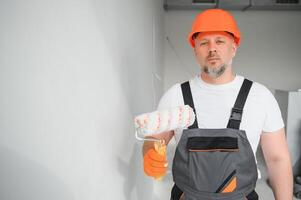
215,164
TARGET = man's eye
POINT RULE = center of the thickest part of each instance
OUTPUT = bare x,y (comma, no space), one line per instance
203,43
220,42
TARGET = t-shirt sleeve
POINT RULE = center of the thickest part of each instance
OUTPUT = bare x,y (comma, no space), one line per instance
171,98
273,119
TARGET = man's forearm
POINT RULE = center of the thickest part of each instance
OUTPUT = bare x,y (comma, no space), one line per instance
281,179
146,146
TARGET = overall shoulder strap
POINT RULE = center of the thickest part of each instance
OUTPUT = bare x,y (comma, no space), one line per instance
187,96
237,110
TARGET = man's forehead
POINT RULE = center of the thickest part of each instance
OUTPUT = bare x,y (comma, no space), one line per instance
215,34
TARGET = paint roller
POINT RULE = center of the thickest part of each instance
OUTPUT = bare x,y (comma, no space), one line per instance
150,124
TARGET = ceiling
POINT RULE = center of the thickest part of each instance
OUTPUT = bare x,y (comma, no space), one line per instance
233,4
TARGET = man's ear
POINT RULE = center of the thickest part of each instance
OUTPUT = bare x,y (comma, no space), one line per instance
194,50
234,48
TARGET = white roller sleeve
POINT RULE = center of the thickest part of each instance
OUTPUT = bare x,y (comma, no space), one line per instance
165,120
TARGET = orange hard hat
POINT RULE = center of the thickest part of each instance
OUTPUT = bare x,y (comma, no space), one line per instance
214,20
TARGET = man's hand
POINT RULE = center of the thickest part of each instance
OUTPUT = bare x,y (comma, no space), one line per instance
155,163
154,155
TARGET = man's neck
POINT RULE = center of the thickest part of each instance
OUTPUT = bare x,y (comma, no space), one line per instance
224,78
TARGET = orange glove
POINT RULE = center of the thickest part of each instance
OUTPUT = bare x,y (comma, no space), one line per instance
155,162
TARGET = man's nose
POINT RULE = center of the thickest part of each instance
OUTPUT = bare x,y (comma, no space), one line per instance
211,47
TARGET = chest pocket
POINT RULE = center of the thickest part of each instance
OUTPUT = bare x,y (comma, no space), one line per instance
211,161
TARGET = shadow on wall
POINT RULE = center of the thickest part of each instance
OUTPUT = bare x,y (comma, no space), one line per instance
24,179
261,165
297,166
131,51
134,177
136,184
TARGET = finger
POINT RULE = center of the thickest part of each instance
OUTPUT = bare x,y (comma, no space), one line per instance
158,164
154,173
156,156
155,165
151,172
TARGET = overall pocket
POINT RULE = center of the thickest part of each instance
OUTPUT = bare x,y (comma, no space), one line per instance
211,164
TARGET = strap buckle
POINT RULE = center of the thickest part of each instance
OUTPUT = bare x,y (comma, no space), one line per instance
236,114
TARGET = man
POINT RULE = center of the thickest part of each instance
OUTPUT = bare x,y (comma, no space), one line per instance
214,158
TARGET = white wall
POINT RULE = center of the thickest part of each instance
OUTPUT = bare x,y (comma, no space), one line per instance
72,76
269,53
290,105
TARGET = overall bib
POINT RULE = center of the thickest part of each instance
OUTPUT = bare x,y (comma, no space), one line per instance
215,164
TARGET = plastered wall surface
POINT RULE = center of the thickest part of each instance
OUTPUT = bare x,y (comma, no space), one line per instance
73,74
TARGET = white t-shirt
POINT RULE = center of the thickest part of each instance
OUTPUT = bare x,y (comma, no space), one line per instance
213,104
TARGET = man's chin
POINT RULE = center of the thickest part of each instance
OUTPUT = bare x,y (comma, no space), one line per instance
214,72
213,68
215,65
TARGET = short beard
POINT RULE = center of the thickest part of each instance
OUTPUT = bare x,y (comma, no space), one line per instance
215,72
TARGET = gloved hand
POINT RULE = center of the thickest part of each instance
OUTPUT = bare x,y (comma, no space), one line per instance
155,162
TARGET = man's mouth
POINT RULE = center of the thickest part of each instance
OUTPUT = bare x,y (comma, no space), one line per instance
213,59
